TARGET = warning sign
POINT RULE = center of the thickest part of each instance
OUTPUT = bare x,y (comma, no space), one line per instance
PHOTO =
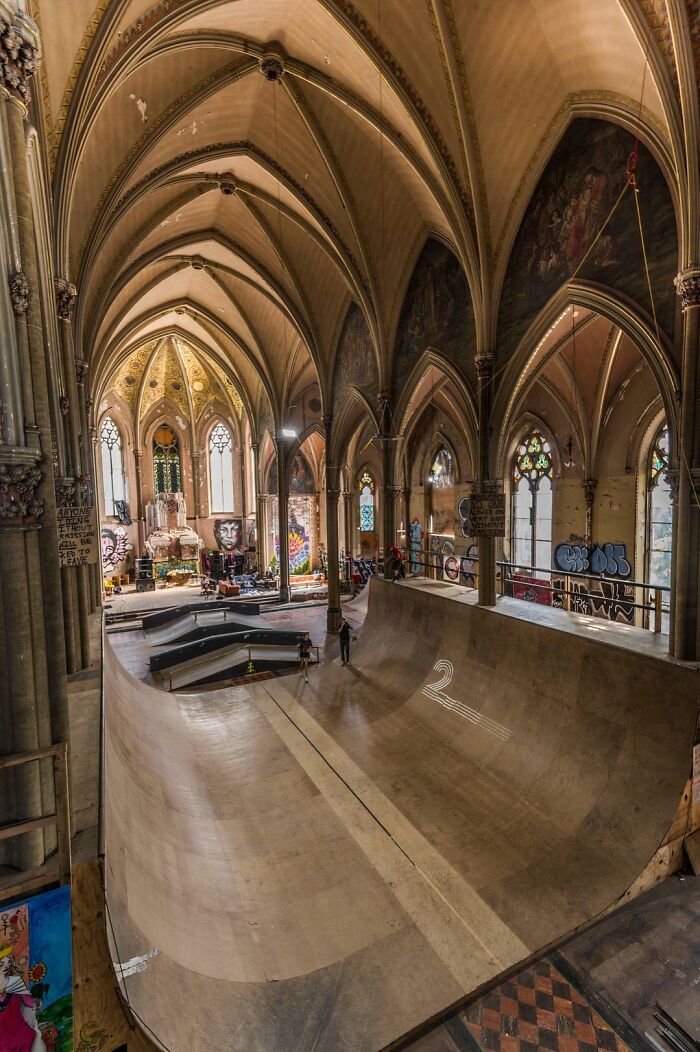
487,511
77,536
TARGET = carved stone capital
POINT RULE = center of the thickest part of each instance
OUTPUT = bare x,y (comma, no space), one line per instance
18,485
81,371
395,493
673,477
688,287
484,365
589,486
64,403
384,398
18,61
65,492
66,294
85,490
333,495
255,446
19,293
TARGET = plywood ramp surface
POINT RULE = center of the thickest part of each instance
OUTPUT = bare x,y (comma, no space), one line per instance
324,866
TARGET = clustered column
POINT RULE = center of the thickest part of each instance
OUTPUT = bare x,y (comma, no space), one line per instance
283,518
487,544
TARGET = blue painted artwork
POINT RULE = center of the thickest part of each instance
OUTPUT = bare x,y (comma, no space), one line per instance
36,974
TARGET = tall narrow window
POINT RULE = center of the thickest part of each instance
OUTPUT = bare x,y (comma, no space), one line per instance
366,489
166,461
221,469
659,520
113,481
531,534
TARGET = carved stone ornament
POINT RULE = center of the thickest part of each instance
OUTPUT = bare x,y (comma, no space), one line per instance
484,365
65,493
81,371
271,67
18,62
64,404
85,483
19,293
65,298
89,403
688,288
18,483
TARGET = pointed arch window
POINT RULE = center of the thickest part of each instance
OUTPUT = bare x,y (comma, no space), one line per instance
221,469
167,475
533,472
441,470
659,518
365,487
113,481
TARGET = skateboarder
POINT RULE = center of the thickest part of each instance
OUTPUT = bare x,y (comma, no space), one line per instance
304,655
344,633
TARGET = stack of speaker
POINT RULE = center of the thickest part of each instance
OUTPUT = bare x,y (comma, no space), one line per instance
145,582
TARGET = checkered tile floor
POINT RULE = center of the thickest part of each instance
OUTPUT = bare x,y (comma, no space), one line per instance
538,1009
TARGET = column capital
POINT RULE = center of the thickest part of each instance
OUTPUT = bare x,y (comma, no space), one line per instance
66,294
394,492
485,363
65,492
333,495
19,51
255,446
688,287
18,485
81,371
589,486
19,292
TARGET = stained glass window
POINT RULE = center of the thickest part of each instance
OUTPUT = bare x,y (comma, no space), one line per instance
531,521
221,469
366,488
166,461
113,481
660,519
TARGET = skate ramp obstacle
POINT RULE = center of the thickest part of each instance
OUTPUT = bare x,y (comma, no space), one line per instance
326,866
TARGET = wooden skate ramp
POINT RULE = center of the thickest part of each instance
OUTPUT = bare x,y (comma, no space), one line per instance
325,866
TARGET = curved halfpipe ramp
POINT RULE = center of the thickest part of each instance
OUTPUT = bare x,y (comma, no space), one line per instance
325,866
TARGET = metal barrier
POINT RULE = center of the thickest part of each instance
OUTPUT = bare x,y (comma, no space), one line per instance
433,564
293,648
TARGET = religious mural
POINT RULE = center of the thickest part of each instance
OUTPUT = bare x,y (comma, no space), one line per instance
356,363
265,419
437,313
272,477
300,478
562,228
36,974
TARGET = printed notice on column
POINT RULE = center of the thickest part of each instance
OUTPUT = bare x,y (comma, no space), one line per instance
77,537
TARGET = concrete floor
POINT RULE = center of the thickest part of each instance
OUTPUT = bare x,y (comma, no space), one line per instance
326,866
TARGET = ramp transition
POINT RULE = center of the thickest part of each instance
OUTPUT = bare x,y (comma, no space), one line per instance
326,866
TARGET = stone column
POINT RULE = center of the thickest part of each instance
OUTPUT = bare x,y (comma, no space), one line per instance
685,621
407,523
589,488
388,501
315,534
66,294
283,517
347,520
140,510
244,502
487,545
261,528
332,551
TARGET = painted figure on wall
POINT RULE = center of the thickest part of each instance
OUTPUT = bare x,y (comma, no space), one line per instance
300,478
356,363
115,547
36,1000
437,313
415,544
228,534
564,231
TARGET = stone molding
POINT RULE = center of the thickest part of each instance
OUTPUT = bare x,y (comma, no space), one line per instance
18,485
688,287
19,293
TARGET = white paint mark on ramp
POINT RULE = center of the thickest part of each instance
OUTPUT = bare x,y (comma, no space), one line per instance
435,691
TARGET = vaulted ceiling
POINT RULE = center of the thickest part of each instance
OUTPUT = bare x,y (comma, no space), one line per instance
197,195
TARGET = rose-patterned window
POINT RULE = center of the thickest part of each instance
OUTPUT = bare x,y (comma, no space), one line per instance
365,486
113,481
221,469
531,526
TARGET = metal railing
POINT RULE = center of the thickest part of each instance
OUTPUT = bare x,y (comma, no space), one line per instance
510,575
293,649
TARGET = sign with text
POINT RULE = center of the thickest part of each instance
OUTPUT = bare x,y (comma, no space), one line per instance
77,536
487,511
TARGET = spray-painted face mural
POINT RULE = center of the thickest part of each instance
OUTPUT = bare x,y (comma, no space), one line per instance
115,547
229,534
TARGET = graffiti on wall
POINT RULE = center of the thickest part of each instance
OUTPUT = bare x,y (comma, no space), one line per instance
611,600
228,534
416,534
36,973
115,547
609,559
560,234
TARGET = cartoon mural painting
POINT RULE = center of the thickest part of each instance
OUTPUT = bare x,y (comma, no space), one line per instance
36,980
415,545
562,232
356,363
115,547
228,534
437,313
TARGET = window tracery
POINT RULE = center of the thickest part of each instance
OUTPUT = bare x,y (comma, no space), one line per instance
113,481
221,469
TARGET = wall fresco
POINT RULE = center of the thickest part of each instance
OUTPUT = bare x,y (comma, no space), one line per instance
356,363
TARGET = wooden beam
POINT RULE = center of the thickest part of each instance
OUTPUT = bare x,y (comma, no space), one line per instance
35,754
18,828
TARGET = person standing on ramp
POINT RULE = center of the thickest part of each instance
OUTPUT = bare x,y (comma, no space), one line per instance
344,633
304,655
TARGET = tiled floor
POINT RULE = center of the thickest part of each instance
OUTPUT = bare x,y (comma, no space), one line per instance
537,1009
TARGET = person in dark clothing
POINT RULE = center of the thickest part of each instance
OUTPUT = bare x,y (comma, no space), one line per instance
304,655
344,633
